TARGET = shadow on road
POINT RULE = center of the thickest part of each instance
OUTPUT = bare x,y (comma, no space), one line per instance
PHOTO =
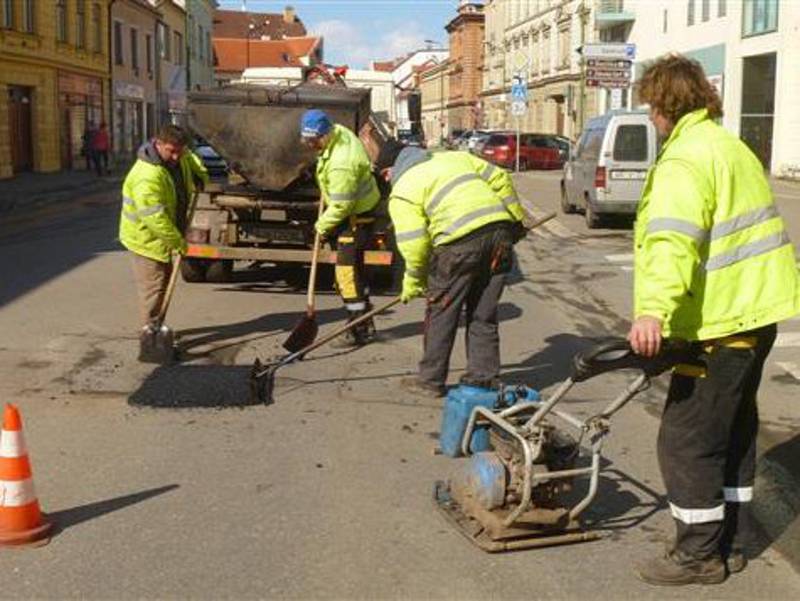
549,365
622,501
66,518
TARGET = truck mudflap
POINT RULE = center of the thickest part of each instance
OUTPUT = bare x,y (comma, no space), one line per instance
274,255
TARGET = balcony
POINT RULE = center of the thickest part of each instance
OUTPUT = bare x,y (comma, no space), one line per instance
612,12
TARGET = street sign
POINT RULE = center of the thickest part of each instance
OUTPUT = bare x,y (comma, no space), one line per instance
608,63
519,108
612,50
608,74
616,99
608,83
519,89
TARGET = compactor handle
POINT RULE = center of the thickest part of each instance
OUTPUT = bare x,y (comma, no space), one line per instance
616,353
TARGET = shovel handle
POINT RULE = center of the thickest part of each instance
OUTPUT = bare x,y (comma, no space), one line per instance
541,221
312,276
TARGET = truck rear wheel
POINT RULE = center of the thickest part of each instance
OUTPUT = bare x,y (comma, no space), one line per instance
220,271
193,270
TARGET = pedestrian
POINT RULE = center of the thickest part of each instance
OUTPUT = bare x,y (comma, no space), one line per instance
713,265
350,195
456,219
87,145
155,197
100,147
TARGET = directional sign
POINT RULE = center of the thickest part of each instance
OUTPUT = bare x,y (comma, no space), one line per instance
606,63
608,74
608,83
618,50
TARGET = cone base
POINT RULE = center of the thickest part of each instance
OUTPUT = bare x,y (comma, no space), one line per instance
35,537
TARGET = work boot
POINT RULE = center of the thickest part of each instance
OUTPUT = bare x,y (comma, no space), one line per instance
736,561
676,569
422,388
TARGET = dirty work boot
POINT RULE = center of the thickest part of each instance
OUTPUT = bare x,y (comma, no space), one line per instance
676,569
736,561
422,388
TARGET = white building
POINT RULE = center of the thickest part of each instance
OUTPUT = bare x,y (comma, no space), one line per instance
405,72
749,49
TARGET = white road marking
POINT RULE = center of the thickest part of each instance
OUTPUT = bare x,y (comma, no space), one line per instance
626,258
790,368
787,339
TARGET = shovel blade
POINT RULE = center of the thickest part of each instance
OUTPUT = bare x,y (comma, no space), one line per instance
304,333
262,384
157,346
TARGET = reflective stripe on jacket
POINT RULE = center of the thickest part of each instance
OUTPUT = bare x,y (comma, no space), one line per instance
344,176
444,198
149,203
712,255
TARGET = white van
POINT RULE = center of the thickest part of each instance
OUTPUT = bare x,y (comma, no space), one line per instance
605,174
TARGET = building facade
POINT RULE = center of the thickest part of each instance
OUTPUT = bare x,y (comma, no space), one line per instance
465,107
434,92
199,50
171,59
134,67
749,50
55,75
539,40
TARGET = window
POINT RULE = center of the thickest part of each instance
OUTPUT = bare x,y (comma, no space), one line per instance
80,25
8,14
178,48
706,10
118,57
28,16
722,8
148,51
134,49
664,24
690,13
163,42
630,143
61,20
97,29
759,16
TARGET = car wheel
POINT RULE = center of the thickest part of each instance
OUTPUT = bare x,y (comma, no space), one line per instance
219,272
566,206
193,270
592,218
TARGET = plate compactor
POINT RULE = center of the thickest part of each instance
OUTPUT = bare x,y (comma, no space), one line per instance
515,489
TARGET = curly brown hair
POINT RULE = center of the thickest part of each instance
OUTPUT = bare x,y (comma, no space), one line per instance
677,85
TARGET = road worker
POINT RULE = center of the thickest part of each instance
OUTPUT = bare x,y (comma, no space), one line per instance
350,194
155,197
456,219
713,265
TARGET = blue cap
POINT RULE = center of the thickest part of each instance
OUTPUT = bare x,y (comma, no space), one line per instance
315,123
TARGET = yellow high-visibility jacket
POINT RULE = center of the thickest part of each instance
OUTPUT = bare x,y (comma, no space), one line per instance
712,255
149,204
444,196
344,176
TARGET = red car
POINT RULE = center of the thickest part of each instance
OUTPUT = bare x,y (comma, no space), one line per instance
537,151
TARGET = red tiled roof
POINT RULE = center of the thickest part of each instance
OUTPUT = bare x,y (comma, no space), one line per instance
385,66
270,26
237,54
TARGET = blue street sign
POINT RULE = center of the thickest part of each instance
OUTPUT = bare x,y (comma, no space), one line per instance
519,89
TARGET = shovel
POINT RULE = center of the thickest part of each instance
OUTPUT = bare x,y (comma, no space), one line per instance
262,377
306,329
159,346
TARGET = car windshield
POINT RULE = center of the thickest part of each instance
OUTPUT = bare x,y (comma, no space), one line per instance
497,140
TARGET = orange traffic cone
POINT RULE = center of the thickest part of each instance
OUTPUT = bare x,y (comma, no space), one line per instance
21,520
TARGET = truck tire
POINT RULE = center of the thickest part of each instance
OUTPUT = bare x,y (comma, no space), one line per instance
193,270
220,271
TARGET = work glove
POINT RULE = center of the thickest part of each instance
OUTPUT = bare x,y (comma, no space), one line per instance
323,233
183,248
413,287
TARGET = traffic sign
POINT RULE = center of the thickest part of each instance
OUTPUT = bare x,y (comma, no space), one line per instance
608,83
611,50
519,108
608,63
519,89
608,74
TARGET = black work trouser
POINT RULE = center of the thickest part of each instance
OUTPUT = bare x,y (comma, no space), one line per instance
469,274
707,442
351,240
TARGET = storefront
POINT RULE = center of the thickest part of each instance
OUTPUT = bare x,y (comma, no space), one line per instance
129,118
80,103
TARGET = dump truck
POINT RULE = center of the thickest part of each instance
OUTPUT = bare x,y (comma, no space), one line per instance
266,210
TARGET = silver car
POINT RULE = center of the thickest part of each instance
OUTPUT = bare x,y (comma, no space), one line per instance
606,171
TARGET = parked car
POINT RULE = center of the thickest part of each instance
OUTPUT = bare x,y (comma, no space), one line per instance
454,139
536,151
216,166
606,173
411,139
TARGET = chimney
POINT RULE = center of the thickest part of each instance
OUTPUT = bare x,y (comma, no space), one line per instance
288,15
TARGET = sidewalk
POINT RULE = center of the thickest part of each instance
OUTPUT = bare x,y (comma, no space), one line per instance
28,191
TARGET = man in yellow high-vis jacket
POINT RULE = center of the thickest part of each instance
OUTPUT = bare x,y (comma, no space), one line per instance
350,194
714,266
155,197
456,218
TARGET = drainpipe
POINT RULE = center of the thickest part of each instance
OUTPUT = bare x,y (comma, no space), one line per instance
110,34
582,86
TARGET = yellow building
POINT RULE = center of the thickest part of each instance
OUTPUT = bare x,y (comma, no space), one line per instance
54,81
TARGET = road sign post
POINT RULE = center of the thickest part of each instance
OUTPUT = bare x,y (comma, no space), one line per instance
519,104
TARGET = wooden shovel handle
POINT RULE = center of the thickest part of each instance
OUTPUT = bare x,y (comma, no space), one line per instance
312,275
